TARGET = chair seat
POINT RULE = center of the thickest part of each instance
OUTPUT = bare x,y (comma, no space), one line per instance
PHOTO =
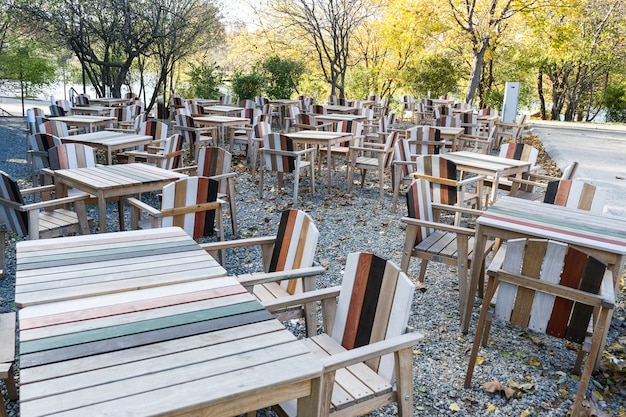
58,222
356,387
443,244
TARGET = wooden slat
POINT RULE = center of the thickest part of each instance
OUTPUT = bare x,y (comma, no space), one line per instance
590,282
531,267
7,330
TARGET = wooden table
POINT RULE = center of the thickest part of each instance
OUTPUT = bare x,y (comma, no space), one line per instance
84,266
332,108
321,138
88,122
450,134
109,101
91,110
205,347
221,122
108,181
488,165
206,102
340,118
109,141
224,110
510,218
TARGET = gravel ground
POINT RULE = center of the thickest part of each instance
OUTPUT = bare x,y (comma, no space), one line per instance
364,222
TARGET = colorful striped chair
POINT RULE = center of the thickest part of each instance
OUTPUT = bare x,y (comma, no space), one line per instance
47,218
288,264
194,135
575,194
165,153
190,203
552,288
370,156
279,155
367,316
520,152
533,186
429,239
37,156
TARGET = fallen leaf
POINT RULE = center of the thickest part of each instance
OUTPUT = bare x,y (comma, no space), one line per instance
534,362
480,360
455,407
525,413
496,385
491,408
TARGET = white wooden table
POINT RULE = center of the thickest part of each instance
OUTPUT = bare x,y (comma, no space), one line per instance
321,138
108,181
204,347
88,122
109,141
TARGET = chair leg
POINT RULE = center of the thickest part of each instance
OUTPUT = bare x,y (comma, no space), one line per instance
423,267
404,381
232,205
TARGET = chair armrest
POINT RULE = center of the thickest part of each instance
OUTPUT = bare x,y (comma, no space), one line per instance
302,298
470,180
144,207
373,350
250,280
238,243
439,226
224,176
459,209
55,202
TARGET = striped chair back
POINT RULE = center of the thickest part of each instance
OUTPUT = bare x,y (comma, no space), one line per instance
424,140
55,128
575,194
261,129
154,128
64,104
186,120
374,304
196,109
12,218
261,101
419,206
278,163
81,100
349,126
252,114
390,143
402,153
56,110
469,123
213,161
306,119
72,155
332,100
40,143
441,173
295,246
34,117
448,121
227,99
189,192
408,103
173,152
553,263
519,151
247,103
319,109
445,110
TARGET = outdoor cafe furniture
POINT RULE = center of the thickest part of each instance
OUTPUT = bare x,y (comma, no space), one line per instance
194,135
429,238
223,110
318,138
91,110
109,141
221,122
90,123
366,346
602,236
166,334
494,167
109,101
369,156
7,358
553,288
109,181
336,109
279,155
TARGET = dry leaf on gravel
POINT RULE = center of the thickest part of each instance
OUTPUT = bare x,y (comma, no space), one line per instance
497,386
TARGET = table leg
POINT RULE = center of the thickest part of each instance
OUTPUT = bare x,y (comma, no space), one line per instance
310,406
480,241
328,165
102,212
616,270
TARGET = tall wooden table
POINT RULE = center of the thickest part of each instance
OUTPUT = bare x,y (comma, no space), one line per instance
115,181
204,347
109,141
510,218
321,138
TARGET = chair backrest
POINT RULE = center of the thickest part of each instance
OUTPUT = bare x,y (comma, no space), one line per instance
196,109
319,109
569,171
441,173
448,121
252,114
190,192
469,123
186,120
55,127
81,100
34,117
56,110
374,304
212,161
13,219
154,128
390,143
408,103
349,126
424,140
295,246
519,151
227,99
261,101
542,311
64,104
402,153
40,143
247,103
278,163
419,206
306,119
261,129
172,151
575,194
72,155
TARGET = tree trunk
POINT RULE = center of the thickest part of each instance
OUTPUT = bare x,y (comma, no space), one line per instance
542,99
479,59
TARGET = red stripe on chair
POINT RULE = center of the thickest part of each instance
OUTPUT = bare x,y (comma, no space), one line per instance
283,240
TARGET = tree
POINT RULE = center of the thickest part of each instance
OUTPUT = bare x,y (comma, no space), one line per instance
23,63
283,76
437,74
248,86
204,80
327,26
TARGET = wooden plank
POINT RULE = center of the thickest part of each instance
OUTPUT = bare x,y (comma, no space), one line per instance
7,330
531,267
130,341
590,282
112,359
512,263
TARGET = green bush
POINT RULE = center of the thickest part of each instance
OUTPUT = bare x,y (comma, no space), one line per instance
248,86
438,74
283,75
204,81
615,103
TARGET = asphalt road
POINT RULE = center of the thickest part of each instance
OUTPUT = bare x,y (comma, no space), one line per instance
600,151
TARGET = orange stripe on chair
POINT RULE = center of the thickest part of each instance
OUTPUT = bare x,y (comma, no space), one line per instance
356,300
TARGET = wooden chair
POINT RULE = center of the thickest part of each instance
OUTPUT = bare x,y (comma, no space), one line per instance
56,110
403,168
425,140
429,239
549,287
533,186
520,152
408,106
446,185
372,156
307,121
366,349
243,135
166,154
261,129
193,135
37,156
480,143
342,148
288,265
41,220
81,100
215,163
575,194
135,128
279,155
511,132
190,203
7,358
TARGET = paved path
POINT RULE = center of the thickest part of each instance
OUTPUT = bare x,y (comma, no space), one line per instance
599,149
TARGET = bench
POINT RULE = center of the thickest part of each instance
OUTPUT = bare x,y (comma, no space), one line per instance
7,357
